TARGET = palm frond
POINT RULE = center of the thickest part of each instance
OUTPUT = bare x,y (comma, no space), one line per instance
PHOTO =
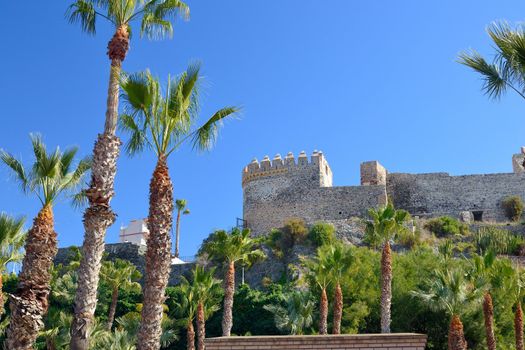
155,28
137,141
205,136
83,12
494,84
18,170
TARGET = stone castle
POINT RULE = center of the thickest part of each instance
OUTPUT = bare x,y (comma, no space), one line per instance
279,189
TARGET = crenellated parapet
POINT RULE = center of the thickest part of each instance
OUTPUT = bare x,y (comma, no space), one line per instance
288,165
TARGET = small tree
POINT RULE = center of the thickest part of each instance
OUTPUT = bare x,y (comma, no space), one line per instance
322,233
297,315
513,207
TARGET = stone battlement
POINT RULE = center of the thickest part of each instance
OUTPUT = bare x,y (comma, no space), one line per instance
280,166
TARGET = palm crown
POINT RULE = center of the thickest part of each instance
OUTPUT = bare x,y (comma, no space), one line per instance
12,236
508,67
121,274
232,247
155,15
51,174
164,123
385,224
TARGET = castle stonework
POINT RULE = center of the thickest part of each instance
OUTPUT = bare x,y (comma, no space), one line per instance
279,189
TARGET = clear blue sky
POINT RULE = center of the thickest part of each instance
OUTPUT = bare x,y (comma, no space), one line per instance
360,80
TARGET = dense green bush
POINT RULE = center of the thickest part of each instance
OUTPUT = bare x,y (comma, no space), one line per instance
498,240
282,240
446,226
296,230
322,233
513,206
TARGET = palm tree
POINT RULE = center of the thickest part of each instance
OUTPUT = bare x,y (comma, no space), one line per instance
162,123
386,224
339,260
449,291
486,274
297,316
12,237
187,306
516,287
119,274
319,274
228,249
507,70
207,290
51,175
180,204
155,18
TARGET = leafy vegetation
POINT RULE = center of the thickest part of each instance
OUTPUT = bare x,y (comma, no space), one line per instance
513,206
321,233
446,226
498,240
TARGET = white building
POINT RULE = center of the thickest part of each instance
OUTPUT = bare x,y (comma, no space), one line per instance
136,232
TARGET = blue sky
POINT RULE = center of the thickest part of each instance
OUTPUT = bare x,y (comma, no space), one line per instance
360,80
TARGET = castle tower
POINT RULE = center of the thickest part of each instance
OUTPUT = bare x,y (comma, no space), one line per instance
518,162
373,173
270,181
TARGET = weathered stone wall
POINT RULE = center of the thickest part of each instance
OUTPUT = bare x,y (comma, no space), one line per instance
399,341
133,253
441,194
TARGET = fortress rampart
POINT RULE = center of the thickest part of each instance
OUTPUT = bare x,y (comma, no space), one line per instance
279,189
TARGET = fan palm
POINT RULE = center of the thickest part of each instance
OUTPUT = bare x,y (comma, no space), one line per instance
207,291
187,308
386,224
319,275
163,124
507,70
297,316
181,205
486,275
339,260
449,291
155,18
51,175
228,249
119,274
12,237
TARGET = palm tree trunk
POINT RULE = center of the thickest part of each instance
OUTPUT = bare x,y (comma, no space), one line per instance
338,309
177,235
488,313
158,257
456,338
112,308
229,290
201,327
386,287
2,301
518,326
99,216
30,303
323,313
190,337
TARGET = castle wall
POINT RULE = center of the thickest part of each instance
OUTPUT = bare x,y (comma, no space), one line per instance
441,194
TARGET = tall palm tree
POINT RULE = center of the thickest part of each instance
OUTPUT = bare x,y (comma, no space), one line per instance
163,124
517,289
155,18
51,175
12,237
386,224
339,260
119,274
181,205
228,249
319,274
449,291
297,316
207,290
507,70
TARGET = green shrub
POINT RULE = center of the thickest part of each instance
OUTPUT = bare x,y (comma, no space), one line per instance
513,207
296,230
500,241
446,226
321,233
